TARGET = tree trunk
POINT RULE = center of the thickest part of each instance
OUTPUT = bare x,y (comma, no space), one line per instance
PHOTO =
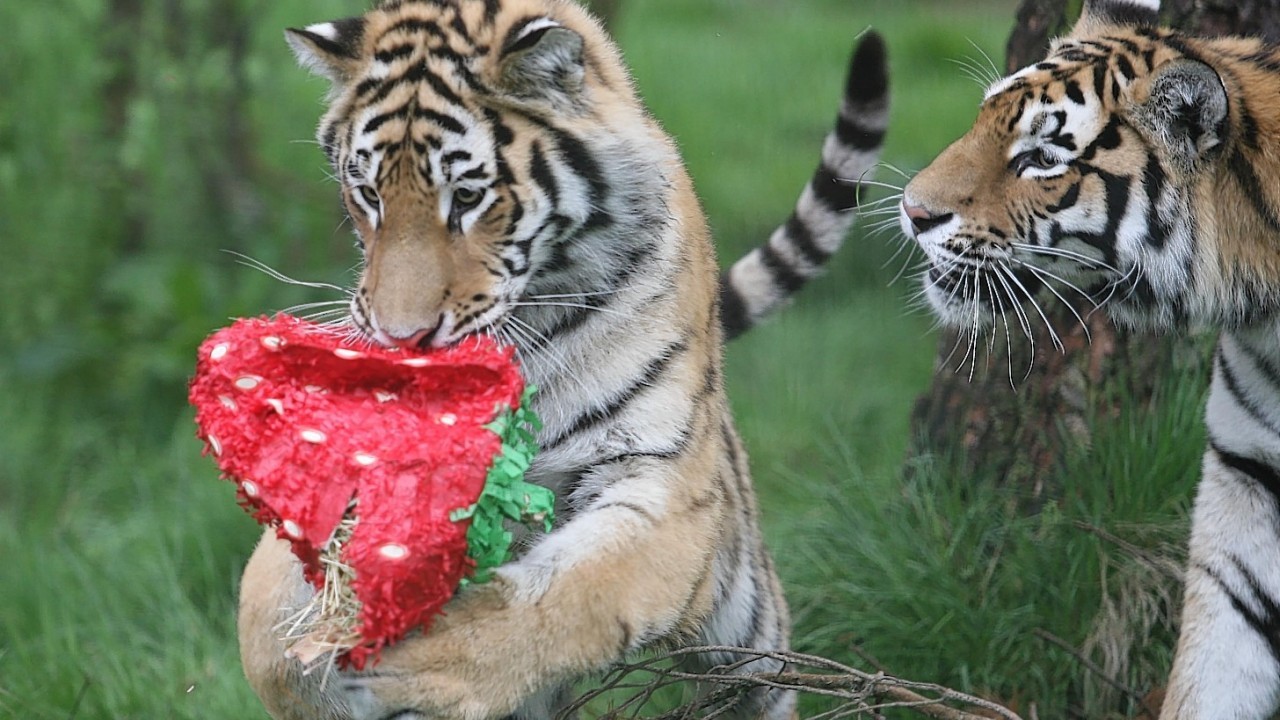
1004,410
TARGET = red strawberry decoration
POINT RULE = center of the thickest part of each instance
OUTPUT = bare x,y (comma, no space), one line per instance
378,466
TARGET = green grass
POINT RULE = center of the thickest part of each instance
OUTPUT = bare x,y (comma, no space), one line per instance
121,547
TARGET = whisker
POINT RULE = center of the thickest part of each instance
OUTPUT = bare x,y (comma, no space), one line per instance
277,275
995,72
572,295
1083,325
895,169
1063,253
1053,334
584,306
1023,320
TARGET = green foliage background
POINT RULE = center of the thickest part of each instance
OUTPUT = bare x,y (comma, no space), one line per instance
139,140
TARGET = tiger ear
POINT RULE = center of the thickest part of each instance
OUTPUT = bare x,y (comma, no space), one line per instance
329,49
542,60
1110,13
1185,111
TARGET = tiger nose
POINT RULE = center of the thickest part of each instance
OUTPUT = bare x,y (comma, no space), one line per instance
922,221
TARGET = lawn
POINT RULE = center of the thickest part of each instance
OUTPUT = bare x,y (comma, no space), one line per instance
138,142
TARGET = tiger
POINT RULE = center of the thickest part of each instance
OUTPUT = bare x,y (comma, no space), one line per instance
1141,166
503,177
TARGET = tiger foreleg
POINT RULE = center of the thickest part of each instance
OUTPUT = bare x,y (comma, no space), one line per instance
603,585
1227,665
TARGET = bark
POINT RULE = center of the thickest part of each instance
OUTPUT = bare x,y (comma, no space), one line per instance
992,417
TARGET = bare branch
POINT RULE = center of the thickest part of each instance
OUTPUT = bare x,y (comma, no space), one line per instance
1093,668
718,689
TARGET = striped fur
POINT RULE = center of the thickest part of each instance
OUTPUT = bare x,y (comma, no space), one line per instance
795,253
503,177
1138,166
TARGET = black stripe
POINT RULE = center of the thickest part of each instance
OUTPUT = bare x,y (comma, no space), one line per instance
1154,178
392,54
733,311
853,134
376,121
653,370
785,277
801,238
444,91
1267,624
417,25
583,163
1244,173
514,43
1261,473
1248,403
836,194
540,173
447,123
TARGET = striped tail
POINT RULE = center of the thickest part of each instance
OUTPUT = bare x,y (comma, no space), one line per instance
769,275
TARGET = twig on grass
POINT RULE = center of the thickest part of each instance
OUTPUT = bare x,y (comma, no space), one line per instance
720,688
1093,668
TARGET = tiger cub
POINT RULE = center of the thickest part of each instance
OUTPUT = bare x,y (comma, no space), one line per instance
1143,166
503,177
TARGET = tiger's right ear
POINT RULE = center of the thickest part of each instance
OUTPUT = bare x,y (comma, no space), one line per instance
542,60
329,49
1111,13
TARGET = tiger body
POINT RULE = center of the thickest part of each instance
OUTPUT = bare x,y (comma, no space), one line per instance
503,178
1141,167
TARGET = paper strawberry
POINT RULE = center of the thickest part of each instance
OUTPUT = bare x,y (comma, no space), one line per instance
389,471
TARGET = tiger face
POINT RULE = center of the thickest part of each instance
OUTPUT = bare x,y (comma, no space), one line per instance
1124,169
455,202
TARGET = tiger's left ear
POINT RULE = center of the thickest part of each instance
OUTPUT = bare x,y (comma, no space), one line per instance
1185,111
329,49
542,60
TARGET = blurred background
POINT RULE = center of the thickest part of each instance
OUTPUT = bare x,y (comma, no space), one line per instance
143,142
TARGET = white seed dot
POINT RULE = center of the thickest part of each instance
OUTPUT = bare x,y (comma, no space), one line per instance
391,551
384,396
348,353
415,362
313,388
271,342
292,530
448,419
215,445
276,405
365,458
219,351
247,382
312,436
250,488
228,403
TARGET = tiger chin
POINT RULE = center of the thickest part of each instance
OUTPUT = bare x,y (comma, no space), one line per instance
1141,167
503,177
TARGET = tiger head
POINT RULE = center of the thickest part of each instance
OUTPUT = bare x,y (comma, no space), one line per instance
1126,167
456,130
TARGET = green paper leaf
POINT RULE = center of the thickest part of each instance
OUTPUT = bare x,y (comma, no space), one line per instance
506,495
